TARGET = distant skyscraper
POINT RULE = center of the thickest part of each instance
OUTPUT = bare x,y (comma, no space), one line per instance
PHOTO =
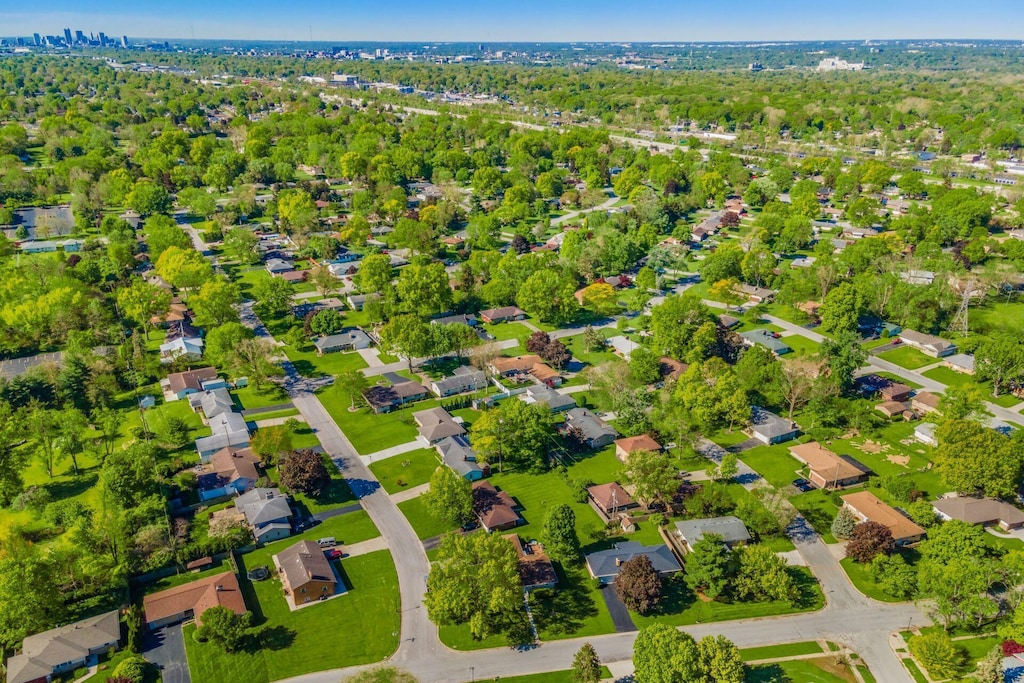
103,38
38,40
67,36
79,38
124,41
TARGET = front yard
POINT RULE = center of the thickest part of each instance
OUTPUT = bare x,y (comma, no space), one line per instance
907,357
406,470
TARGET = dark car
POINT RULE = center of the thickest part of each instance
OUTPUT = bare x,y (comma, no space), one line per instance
470,525
803,484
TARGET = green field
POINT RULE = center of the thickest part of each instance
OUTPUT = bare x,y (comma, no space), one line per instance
292,643
308,364
821,670
907,357
953,378
423,523
406,470
753,654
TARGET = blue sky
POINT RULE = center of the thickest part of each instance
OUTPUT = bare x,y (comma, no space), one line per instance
522,20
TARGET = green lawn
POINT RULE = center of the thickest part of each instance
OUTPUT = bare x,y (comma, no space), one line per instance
308,364
336,494
915,672
423,523
405,471
270,394
774,463
599,467
185,577
753,654
510,330
953,378
292,643
907,357
818,509
349,528
995,316
800,671
801,345
860,575
575,344
680,607
565,676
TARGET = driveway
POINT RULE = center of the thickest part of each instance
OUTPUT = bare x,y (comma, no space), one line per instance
620,615
336,512
165,648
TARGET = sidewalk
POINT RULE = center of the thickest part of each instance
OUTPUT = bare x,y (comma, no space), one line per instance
409,494
391,452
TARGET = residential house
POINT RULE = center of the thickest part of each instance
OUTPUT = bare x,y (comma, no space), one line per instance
608,500
631,444
229,429
731,530
66,648
622,346
925,433
604,565
435,424
350,339
728,321
671,369
358,301
866,506
191,600
279,265
542,393
458,455
766,339
267,512
177,313
924,402
230,471
496,510
212,402
530,364
892,409
463,379
535,568
769,428
385,399
293,276
894,391
588,428
828,470
758,295
178,385
503,314
929,344
546,375
306,574
983,511
469,320
917,277
960,362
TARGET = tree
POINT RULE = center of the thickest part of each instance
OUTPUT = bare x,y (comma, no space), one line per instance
894,575
868,540
724,263
475,581
559,534
953,540
272,442
663,654
843,356
990,667
709,566
548,296
762,575
674,325
326,322
223,627
273,295
556,354
374,274
141,301
214,303
586,667
198,201
406,335
652,476
450,497
146,197
938,654
297,211
638,585
28,601
841,309
304,471
353,383
240,244
721,660
797,380
975,459
600,298
514,433
842,525
129,475
255,358
758,265
184,268
132,669
161,233
424,290
324,280
223,340
537,342
644,365
999,360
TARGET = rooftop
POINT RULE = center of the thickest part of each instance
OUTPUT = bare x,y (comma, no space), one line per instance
217,590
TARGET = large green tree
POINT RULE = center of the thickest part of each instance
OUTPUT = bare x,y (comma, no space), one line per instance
450,497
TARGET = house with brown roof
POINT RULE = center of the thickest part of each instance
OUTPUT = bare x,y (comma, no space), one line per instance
625,447
518,365
306,574
65,648
866,506
496,510
894,391
230,471
929,344
178,385
925,402
535,568
385,399
828,470
502,314
435,424
983,511
671,368
608,500
190,600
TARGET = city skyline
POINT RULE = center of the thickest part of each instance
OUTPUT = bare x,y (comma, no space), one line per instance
533,21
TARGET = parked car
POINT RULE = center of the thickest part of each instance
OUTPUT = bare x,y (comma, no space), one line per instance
803,484
334,553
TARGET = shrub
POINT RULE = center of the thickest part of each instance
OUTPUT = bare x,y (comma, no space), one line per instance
868,540
131,669
842,525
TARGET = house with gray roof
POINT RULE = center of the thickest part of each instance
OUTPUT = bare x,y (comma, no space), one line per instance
467,319
181,348
459,456
960,362
266,512
351,339
462,380
591,430
604,565
357,301
279,265
622,346
65,648
229,429
983,511
925,433
212,402
435,424
929,344
729,528
542,393
766,339
769,428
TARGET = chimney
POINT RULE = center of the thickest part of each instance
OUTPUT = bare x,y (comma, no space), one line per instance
618,561
219,588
